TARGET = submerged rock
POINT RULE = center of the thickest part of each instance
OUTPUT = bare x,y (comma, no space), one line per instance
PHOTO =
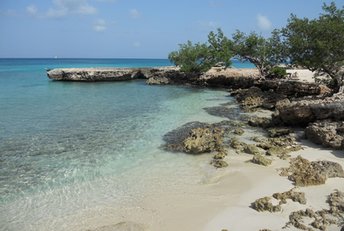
222,111
219,163
328,134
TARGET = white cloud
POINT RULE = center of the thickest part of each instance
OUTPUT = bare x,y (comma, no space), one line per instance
136,44
32,10
62,8
134,13
99,25
263,22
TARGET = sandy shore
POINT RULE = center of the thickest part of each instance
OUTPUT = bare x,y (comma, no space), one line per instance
222,199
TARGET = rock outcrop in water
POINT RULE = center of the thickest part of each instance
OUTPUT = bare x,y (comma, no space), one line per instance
194,138
95,74
113,74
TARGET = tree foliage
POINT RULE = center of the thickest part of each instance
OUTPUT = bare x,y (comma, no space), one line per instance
192,58
264,53
200,57
220,48
318,44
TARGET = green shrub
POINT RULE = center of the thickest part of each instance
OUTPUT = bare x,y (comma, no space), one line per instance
278,72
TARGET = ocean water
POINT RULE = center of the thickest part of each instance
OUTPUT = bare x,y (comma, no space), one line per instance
70,150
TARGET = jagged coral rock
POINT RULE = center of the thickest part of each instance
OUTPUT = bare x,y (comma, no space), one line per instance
328,134
304,173
292,195
277,132
251,149
194,138
219,163
203,140
220,155
239,131
264,204
261,160
237,145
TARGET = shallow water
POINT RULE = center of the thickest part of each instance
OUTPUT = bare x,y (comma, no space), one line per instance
69,151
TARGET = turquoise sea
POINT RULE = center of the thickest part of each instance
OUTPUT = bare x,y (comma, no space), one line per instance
70,150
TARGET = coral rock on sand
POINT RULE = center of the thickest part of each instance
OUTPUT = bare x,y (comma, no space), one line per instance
261,160
264,204
304,173
292,195
322,219
219,163
277,132
252,149
328,134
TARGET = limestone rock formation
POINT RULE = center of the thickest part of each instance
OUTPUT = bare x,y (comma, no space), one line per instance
304,173
253,98
194,138
264,204
321,219
277,132
219,163
95,74
326,133
201,140
292,195
306,111
261,160
252,149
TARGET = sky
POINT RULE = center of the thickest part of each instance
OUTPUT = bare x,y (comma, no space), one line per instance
133,28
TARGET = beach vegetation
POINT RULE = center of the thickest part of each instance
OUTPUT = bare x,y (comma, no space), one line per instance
318,44
200,57
265,53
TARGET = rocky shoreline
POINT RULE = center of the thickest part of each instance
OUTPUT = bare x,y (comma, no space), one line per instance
310,109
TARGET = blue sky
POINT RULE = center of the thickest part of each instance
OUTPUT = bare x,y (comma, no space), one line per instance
133,28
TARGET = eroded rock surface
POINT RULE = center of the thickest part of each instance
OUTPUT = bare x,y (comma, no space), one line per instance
306,111
326,133
304,172
265,204
194,138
